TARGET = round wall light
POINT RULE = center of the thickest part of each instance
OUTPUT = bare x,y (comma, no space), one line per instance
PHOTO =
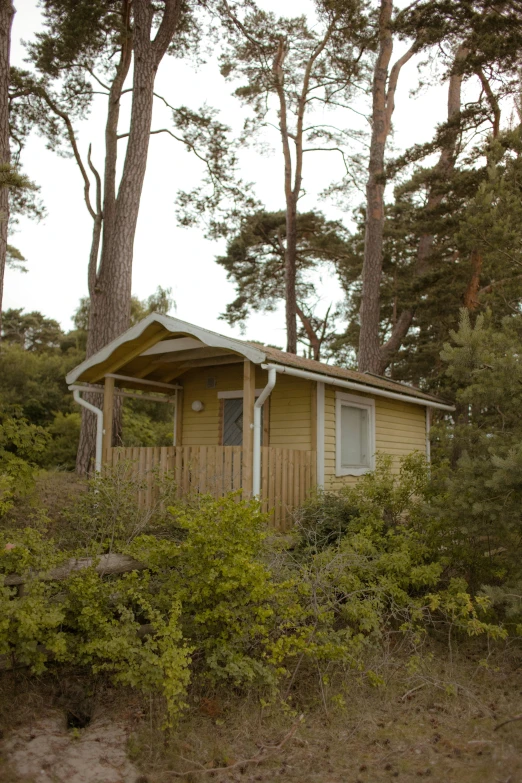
197,406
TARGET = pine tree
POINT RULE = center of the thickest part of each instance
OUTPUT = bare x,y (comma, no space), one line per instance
255,261
297,67
479,473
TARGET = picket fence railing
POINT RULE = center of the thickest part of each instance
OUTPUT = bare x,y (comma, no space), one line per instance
287,475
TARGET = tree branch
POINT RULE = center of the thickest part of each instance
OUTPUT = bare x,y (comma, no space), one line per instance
72,140
492,100
167,28
98,182
392,83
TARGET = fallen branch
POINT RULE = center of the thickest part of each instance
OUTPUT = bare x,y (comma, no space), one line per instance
265,752
412,690
105,565
509,720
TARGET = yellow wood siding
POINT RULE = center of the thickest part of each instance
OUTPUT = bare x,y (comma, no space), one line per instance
400,428
291,413
202,429
290,407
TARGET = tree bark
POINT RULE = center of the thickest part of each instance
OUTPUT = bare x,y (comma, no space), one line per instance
472,290
443,169
293,180
369,339
291,206
110,281
315,340
7,13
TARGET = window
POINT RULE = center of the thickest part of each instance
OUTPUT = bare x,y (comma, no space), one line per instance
355,438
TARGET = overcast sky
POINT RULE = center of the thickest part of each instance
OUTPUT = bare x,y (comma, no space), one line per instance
166,254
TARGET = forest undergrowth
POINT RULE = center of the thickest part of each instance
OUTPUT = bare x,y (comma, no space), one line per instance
356,647
443,723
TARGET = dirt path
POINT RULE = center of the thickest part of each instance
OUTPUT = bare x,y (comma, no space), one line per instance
47,752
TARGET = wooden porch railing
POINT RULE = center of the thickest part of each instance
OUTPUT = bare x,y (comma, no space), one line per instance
287,475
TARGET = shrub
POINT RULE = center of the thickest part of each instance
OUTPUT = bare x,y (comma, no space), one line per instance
84,620
477,475
21,444
322,521
220,601
226,590
380,574
113,511
64,434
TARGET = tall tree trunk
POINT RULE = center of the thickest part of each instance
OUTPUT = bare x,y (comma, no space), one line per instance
472,290
291,276
293,184
111,286
291,204
383,105
443,170
7,12
369,340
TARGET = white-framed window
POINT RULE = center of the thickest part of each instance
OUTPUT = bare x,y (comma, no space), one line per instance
355,434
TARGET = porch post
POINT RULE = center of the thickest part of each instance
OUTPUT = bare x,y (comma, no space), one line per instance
178,418
108,411
249,397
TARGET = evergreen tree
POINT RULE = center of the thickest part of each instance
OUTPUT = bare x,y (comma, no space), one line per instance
479,473
32,331
292,68
255,261
87,48
484,41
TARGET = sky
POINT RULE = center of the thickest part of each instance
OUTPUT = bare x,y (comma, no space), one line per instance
166,254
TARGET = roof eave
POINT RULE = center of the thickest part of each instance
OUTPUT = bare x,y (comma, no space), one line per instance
172,325
378,391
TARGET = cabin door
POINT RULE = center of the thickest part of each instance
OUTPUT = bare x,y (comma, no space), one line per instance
233,422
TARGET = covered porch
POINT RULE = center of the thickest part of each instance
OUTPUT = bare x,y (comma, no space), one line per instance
287,475
225,436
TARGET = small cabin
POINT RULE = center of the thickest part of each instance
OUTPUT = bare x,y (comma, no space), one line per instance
251,417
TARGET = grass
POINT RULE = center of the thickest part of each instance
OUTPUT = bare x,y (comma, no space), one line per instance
54,493
438,725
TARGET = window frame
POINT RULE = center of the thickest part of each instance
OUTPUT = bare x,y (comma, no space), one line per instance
354,401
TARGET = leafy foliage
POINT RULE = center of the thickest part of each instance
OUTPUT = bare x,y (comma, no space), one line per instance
21,445
219,601
478,478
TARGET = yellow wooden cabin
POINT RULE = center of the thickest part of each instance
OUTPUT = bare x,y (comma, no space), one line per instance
251,417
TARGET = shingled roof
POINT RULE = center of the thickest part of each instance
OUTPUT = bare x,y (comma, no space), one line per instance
368,379
161,348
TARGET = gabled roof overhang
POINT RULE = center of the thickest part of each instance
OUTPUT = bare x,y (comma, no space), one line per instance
158,342
160,349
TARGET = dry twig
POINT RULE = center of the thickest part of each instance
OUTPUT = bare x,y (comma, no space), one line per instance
264,753
509,720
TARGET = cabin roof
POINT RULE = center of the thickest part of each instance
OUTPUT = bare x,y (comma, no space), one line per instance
162,349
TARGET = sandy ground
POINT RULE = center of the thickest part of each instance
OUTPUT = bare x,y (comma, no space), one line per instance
47,752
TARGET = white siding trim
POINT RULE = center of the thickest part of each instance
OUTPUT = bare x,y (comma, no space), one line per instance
428,442
320,435
357,402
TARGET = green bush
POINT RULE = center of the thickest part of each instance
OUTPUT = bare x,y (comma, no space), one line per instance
64,432
21,445
380,574
222,602
476,502
322,521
